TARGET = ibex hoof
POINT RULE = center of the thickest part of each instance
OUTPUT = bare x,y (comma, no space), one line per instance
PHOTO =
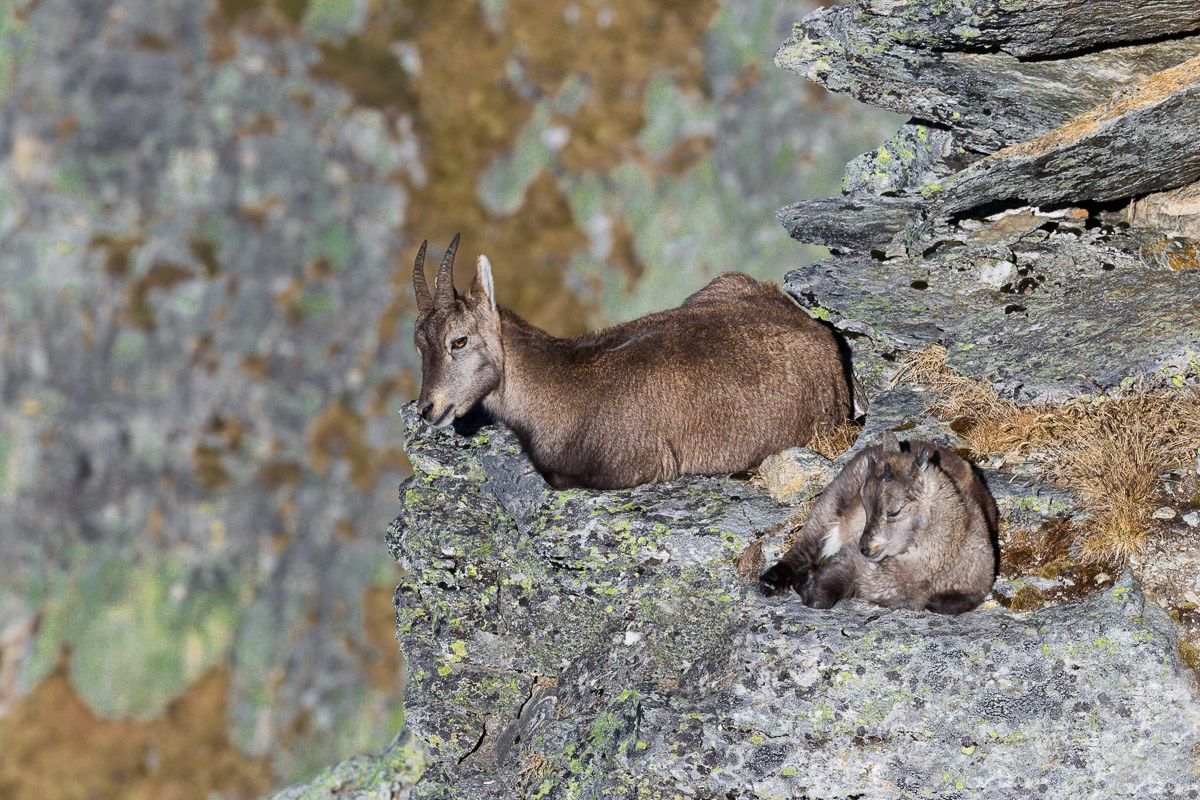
777,580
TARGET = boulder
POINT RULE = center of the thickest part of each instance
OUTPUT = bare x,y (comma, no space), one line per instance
795,475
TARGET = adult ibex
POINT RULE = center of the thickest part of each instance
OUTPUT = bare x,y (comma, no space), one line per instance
904,525
734,374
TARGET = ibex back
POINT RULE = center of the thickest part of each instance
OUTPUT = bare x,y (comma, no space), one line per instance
904,525
735,373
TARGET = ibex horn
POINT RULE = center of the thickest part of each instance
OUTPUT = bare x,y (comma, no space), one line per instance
424,301
443,292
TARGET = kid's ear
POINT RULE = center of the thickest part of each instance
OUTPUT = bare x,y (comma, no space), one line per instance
927,457
890,443
482,289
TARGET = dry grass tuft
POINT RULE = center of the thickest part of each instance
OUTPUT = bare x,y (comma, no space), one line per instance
1044,551
984,421
795,524
1109,451
749,563
832,443
1189,654
1027,598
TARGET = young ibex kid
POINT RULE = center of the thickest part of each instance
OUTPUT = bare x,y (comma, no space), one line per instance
904,525
734,374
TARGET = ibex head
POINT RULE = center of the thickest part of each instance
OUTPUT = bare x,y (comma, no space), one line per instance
458,337
891,498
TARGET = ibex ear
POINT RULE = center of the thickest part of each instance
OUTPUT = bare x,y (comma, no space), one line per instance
927,457
890,443
482,289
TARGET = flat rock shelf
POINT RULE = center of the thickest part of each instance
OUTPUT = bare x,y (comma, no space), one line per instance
611,644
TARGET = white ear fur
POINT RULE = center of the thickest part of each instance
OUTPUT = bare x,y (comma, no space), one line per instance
483,268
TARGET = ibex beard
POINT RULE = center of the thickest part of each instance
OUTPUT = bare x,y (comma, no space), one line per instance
737,372
905,525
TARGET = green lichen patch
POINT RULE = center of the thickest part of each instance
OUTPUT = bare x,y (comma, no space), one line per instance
584,644
377,778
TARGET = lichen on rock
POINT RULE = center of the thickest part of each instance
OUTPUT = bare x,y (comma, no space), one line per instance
388,776
586,644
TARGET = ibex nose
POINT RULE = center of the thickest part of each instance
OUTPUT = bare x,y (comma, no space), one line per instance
425,411
864,549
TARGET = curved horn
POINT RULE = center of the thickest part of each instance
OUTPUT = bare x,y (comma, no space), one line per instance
424,300
443,292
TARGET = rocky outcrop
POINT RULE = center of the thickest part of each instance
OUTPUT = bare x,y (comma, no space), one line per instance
1043,307
588,644
1053,28
986,223
988,99
1138,142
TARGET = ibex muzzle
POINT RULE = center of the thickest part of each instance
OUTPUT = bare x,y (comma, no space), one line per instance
734,374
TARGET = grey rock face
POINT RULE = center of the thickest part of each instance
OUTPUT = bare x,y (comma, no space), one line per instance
990,99
991,131
1033,28
912,157
1037,335
938,244
849,223
610,644
1143,141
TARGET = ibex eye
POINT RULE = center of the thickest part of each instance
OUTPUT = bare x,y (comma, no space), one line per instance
459,343
893,514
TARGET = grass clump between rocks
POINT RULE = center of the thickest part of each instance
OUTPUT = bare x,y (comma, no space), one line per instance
832,443
1109,451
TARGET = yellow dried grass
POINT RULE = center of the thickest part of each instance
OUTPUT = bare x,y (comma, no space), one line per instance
1109,451
835,441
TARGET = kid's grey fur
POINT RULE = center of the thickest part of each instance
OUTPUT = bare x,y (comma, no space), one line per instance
904,525
734,374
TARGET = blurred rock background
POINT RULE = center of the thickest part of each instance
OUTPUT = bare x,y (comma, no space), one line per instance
208,213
